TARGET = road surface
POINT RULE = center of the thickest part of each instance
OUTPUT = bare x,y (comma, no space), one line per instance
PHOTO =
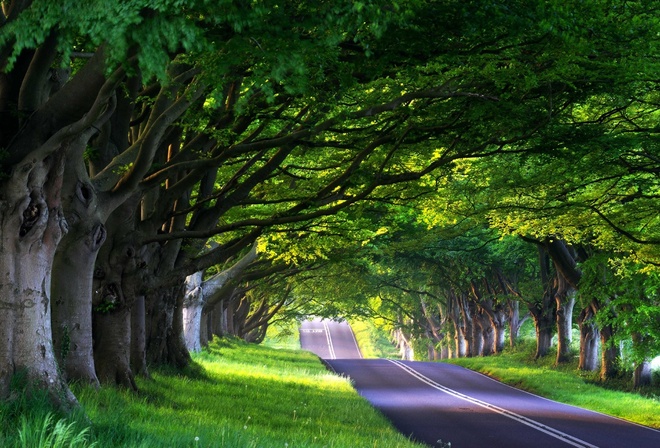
329,339
437,403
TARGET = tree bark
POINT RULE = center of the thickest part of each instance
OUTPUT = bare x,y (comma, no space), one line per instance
544,324
138,338
642,375
609,362
112,336
543,311
589,339
467,327
513,311
201,294
165,342
116,289
31,227
75,259
642,371
565,300
193,306
477,338
453,313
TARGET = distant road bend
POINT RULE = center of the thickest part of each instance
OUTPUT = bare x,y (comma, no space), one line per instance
437,403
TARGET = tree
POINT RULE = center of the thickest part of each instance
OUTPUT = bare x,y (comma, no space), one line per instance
145,51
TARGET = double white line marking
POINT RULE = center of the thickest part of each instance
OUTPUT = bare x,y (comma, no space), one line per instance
331,347
566,438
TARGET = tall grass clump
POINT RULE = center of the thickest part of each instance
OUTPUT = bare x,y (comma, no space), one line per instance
28,419
47,432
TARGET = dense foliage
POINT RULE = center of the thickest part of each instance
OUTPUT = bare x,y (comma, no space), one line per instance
200,168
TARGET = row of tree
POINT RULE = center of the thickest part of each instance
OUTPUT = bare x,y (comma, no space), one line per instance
172,169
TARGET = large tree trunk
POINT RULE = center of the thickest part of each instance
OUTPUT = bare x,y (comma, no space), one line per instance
487,334
642,375
609,363
500,336
453,313
138,338
74,259
31,227
513,309
460,342
165,342
116,289
544,325
205,331
565,299
476,339
468,327
112,347
193,305
543,312
201,294
589,340
642,372
493,318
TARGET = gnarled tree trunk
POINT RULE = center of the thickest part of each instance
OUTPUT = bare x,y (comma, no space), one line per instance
31,227
74,259
544,325
114,296
165,340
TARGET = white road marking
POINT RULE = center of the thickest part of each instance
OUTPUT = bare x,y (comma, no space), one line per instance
329,338
566,438
357,347
613,417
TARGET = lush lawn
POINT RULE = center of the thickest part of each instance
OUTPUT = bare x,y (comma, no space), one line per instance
236,395
567,385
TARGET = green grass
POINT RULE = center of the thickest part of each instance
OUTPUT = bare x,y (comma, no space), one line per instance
284,335
235,395
372,340
566,384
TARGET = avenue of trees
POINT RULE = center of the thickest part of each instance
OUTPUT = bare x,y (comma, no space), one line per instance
171,170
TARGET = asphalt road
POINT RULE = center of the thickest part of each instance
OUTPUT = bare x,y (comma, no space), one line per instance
329,339
437,403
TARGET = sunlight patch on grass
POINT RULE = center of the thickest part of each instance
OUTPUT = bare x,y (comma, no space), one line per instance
240,395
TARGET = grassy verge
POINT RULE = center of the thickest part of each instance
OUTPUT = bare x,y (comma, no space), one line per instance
236,395
566,384
283,336
372,340
563,383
